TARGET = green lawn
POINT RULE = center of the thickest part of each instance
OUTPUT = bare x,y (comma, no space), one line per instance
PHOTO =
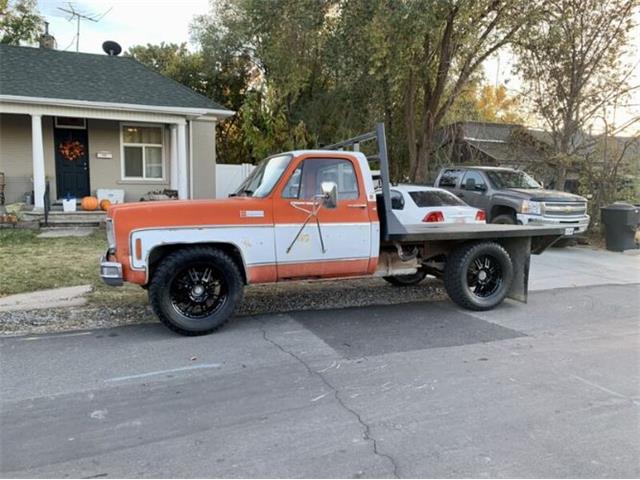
28,263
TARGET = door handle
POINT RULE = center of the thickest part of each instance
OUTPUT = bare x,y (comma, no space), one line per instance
357,205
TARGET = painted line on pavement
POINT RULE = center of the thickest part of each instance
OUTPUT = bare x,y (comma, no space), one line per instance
162,372
57,335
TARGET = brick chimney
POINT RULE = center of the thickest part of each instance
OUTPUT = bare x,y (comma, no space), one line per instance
47,40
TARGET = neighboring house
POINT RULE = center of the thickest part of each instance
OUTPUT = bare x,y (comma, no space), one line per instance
529,149
126,126
497,144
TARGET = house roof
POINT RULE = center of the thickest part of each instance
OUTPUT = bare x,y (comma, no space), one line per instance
55,74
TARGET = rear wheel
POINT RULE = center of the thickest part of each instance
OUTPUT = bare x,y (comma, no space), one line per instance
194,291
407,280
477,276
504,219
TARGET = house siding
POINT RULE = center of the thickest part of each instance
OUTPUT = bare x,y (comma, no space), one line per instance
103,135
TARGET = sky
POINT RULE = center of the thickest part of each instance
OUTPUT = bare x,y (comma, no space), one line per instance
134,22
130,22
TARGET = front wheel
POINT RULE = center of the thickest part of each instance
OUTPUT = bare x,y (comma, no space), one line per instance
478,276
195,290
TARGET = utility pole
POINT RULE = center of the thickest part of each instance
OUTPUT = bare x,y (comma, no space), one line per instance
77,15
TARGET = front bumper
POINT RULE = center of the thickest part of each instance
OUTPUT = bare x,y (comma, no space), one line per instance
571,225
111,272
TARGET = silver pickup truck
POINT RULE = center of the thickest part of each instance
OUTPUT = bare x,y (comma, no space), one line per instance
512,197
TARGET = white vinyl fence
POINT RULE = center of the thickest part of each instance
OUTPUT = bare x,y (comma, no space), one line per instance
229,177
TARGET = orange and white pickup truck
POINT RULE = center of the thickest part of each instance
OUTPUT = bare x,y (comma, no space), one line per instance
306,214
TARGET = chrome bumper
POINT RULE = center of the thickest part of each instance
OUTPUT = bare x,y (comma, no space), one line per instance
111,272
571,225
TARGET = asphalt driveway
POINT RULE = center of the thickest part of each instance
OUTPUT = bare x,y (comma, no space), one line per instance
547,389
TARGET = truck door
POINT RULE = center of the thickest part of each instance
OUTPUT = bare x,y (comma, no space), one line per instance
341,246
474,190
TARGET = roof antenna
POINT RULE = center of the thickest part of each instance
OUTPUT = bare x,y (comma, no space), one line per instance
81,16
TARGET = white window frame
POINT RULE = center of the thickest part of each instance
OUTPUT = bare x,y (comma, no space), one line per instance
123,125
57,123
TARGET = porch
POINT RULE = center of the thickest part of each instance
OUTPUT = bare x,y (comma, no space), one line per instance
131,153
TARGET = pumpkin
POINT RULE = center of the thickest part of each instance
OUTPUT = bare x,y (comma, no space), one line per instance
89,203
105,204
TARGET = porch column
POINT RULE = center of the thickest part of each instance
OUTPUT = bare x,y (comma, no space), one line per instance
37,152
173,161
183,180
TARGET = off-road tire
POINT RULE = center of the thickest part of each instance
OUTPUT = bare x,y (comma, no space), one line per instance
407,280
504,219
457,269
159,289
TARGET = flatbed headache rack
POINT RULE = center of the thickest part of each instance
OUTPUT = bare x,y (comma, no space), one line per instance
392,230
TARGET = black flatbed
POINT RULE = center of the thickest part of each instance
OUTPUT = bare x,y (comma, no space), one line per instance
426,233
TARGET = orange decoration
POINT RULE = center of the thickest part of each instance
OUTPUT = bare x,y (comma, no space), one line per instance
89,203
72,150
105,204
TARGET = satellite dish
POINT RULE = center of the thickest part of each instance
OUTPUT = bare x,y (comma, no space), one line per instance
111,48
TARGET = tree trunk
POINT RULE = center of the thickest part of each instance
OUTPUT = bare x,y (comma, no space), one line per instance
561,176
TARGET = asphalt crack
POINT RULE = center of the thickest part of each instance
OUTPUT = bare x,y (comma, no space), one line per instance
366,434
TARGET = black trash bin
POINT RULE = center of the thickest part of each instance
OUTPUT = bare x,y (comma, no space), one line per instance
620,223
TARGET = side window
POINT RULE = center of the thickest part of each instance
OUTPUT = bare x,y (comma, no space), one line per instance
292,188
450,178
397,200
306,180
472,180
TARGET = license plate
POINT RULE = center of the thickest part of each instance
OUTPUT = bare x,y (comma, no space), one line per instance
568,231
461,220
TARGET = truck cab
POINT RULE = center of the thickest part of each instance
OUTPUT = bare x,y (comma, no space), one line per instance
511,196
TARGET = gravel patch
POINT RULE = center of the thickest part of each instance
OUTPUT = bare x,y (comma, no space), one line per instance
258,299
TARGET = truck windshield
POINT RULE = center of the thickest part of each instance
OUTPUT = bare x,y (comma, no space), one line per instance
511,179
261,181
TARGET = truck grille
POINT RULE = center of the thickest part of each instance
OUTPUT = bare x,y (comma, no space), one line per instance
565,209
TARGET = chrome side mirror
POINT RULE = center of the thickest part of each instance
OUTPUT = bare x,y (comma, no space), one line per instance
329,194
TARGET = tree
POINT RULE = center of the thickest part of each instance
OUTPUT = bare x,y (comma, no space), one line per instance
176,62
431,51
216,76
571,61
611,168
20,22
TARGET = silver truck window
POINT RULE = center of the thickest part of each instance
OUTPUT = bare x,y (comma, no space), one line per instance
450,178
473,175
511,179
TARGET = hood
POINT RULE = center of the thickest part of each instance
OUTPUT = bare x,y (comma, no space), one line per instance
178,213
537,195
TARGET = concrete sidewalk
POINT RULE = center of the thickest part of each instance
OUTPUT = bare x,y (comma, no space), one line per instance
581,267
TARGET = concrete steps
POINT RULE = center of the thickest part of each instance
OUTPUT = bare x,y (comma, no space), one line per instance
68,219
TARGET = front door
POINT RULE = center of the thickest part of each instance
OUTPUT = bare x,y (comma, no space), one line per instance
72,162
341,246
